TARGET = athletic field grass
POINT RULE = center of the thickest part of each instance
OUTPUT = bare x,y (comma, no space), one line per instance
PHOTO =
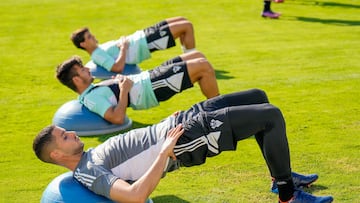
307,62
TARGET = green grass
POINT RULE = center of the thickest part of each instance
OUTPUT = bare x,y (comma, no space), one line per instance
307,62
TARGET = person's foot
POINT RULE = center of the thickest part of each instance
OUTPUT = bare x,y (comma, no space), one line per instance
303,180
304,197
278,1
299,181
270,14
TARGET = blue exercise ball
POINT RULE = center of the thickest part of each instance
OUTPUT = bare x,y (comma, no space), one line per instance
101,73
65,189
74,116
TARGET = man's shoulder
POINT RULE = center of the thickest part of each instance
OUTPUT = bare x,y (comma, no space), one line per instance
94,175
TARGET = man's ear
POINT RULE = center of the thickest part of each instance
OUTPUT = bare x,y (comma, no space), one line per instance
55,154
76,79
82,44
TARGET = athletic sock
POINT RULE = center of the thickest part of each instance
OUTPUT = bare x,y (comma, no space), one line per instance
286,189
185,50
267,5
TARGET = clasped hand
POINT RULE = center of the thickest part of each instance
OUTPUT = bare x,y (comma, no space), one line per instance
125,83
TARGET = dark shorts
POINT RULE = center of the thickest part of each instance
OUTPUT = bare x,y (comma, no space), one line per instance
168,80
206,134
159,36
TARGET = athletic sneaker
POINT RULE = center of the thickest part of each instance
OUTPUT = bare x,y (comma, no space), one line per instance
278,1
270,14
299,181
304,197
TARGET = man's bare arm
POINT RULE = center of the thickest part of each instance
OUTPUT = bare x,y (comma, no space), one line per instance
140,190
116,114
119,64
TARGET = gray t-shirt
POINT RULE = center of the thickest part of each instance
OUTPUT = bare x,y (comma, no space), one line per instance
126,156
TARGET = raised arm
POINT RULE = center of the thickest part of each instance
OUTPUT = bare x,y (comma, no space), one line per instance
120,61
116,114
140,190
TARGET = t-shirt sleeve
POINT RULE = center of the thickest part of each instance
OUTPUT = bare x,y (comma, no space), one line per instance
103,59
97,103
103,184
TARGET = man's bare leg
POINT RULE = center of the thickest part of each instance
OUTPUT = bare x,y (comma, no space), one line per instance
201,71
183,29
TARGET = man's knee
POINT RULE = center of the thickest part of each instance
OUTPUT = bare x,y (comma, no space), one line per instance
189,25
206,68
272,111
261,94
196,54
199,62
199,68
185,21
177,19
203,62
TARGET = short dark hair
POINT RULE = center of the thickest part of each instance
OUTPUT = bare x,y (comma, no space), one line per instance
65,71
41,141
78,36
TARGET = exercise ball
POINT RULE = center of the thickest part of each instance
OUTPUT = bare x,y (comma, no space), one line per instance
74,116
101,73
65,189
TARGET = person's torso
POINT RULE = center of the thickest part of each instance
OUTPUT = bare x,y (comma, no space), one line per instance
130,155
136,52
